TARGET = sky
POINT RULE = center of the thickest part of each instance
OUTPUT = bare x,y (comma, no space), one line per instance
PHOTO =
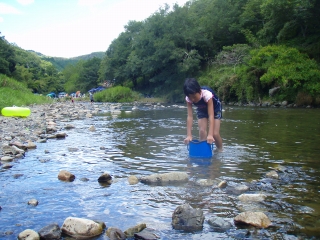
71,28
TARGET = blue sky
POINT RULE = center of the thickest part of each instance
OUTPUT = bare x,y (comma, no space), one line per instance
70,28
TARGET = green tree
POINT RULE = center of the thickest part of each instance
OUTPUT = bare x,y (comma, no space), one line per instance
7,61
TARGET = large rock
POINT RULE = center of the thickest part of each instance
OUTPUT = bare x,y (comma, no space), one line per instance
165,178
257,219
81,228
51,231
187,218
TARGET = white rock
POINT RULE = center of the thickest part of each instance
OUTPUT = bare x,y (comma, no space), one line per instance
81,228
28,234
252,197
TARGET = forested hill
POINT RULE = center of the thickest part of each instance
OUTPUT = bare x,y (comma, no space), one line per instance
240,48
60,63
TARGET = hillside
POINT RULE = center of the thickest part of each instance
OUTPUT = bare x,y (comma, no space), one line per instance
60,63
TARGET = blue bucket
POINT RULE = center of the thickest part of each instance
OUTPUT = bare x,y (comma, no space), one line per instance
200,149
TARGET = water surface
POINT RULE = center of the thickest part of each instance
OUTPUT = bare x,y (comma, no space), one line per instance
150,140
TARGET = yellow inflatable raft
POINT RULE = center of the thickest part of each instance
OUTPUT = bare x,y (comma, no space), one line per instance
15,112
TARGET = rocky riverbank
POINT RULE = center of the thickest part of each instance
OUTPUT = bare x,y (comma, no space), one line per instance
17,135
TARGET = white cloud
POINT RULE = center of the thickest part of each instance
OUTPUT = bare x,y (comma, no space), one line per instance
7,9
89,2
1,19
25,2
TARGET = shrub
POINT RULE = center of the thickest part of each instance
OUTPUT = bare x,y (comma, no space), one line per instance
116,94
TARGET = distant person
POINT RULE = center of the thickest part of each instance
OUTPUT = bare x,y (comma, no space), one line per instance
72,100
209,108
91,98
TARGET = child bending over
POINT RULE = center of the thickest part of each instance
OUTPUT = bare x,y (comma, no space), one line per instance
208,108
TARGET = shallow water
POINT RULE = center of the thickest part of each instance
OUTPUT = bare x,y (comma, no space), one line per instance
147,141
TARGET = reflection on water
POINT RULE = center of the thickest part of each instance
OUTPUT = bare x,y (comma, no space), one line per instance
147,141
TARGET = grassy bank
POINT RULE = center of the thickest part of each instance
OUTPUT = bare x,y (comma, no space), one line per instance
16,93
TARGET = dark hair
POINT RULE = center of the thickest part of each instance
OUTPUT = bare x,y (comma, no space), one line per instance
191,86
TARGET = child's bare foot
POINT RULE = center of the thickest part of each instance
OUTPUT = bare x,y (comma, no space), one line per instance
218,150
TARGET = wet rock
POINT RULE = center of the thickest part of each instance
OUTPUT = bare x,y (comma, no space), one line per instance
133,180
165,178
115,234
222,184
138,228
18,175
73,149
257,219
31,145
105,178
51,129
33,202
220,224
92,128
66,176
18,144
51,231
28,234
61,135
81,228
280,168
84,179
187,218
146,234
12,150
252,197
205,182
42,140
7,166
237,189
69,126
7,159
272,174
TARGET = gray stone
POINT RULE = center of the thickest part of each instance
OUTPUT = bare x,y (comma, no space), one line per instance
187,218
220,224
165,177
51,231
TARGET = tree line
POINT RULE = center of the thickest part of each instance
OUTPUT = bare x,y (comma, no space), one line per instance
241,48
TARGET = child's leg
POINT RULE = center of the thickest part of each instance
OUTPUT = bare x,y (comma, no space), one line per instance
216,134
203,123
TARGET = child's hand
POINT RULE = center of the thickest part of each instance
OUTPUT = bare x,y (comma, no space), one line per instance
187,140
210,139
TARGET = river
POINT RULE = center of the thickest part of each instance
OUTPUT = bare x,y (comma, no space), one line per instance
149,140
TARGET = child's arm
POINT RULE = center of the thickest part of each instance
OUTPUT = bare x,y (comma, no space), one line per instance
189,124
210,106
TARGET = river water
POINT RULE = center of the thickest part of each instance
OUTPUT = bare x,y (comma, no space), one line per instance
150,140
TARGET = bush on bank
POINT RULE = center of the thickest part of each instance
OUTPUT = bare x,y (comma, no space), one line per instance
16,93
242,74
116,94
